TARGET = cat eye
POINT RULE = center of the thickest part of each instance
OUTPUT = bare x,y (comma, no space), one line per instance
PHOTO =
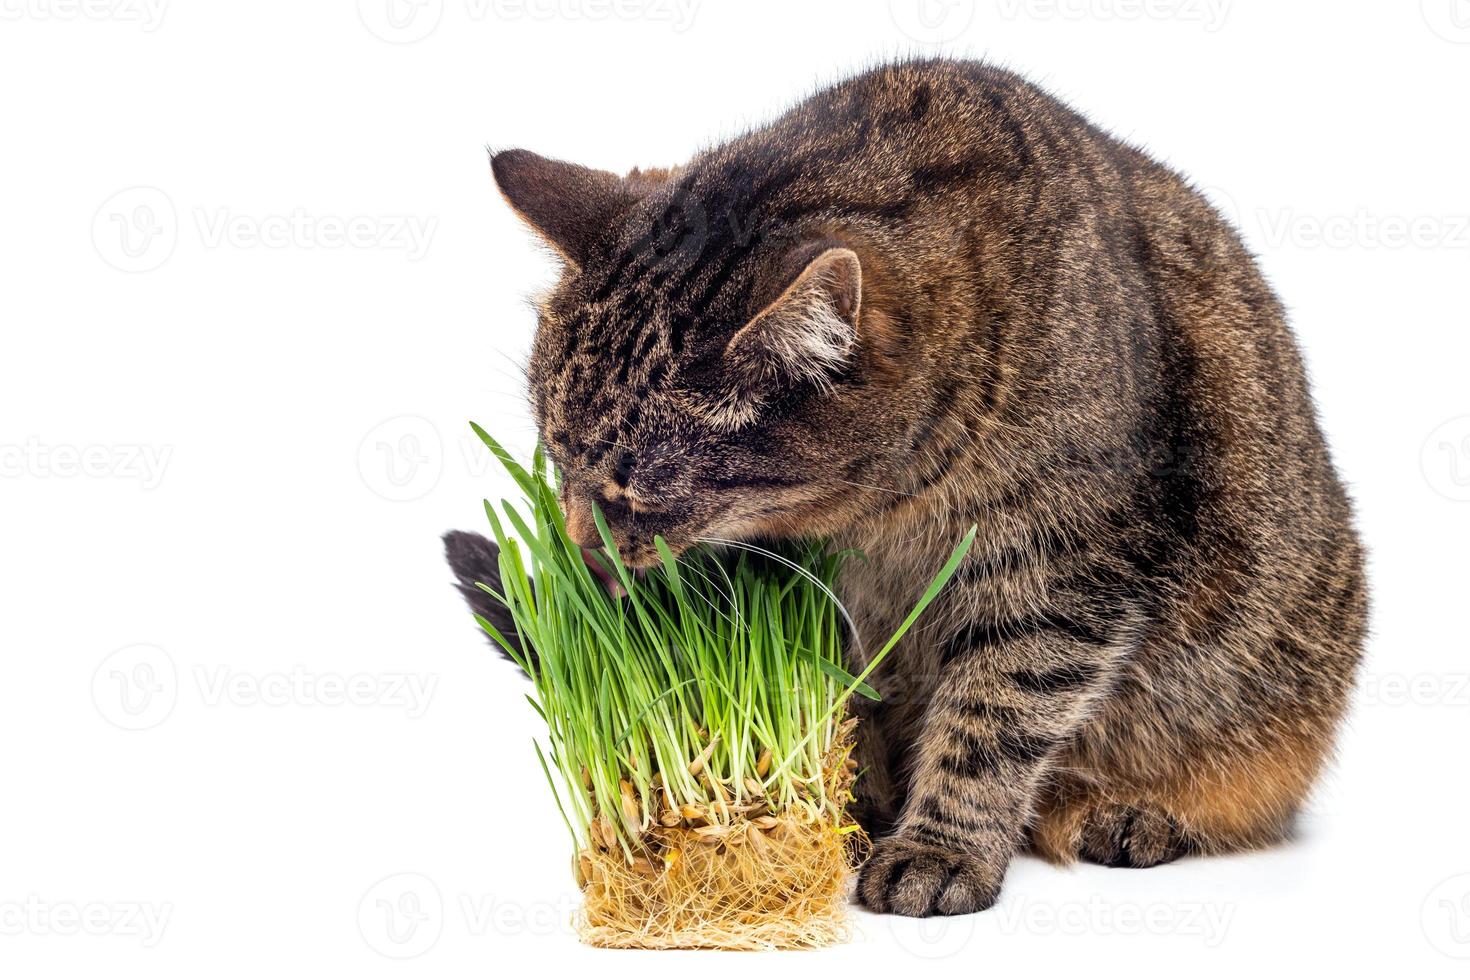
623,468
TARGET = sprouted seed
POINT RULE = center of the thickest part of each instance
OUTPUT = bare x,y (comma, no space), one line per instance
698,743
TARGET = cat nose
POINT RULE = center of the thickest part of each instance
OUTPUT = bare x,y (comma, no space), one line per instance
581,527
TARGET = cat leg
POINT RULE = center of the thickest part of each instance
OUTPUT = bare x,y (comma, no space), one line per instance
1214,804
1121,835
1010,695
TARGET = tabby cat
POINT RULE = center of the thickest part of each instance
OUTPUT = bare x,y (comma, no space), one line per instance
929,297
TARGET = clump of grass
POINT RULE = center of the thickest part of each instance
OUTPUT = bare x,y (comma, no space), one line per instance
698,742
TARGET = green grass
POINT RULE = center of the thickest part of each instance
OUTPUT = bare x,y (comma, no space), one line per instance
725,656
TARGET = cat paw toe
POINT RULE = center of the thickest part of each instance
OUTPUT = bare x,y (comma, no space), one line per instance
907,877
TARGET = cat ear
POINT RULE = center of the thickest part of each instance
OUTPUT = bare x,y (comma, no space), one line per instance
568,205
806,335
808,332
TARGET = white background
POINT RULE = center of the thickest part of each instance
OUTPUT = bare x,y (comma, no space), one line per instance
256,278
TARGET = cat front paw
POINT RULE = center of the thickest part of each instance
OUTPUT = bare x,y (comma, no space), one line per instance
909,877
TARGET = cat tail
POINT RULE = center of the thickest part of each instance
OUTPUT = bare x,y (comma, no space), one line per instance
474,558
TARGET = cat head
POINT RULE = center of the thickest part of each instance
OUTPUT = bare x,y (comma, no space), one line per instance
713,362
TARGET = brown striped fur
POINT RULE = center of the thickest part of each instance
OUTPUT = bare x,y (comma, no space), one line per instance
1020,323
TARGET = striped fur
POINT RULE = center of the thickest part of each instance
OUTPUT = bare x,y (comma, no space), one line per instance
1041,331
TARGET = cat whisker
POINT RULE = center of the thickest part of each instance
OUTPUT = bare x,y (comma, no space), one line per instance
614,443
841,608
